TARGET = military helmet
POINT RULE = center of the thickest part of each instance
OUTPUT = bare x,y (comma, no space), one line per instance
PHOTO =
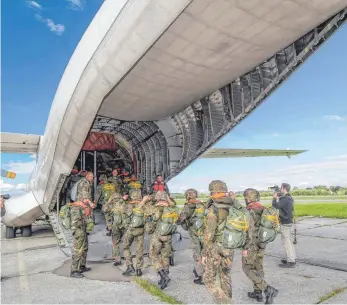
102,177
191,194
135,194
217,186
162,196
251,194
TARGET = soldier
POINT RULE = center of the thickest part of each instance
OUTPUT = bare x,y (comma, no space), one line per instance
117,207
107,189
216,258
166,216
99,199
159,185
117,182
135,230
80,210
192,219
67,186
253,253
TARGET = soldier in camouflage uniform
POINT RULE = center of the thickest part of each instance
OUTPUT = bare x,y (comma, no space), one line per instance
135,230
216,259
99,200
253,253
118,183
117,206
80,210
161,241
192,219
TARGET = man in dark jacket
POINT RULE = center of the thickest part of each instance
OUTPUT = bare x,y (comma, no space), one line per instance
285,205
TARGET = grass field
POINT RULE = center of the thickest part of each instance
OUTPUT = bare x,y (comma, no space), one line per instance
317,209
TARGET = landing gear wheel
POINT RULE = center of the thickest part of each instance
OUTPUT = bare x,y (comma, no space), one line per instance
10,233
26,231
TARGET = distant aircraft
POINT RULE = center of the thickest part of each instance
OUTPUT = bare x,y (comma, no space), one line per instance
162,93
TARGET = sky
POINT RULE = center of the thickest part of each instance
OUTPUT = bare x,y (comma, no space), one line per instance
309,111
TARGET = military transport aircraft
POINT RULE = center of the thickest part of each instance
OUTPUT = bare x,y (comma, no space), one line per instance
160,82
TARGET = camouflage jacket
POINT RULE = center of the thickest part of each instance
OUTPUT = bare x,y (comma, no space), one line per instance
118,183
254,212
78,219
84,190
99,194
187,212
117,205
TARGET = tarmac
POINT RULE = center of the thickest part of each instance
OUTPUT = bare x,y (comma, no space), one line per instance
35,270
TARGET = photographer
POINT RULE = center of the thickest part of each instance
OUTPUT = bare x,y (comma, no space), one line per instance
285,204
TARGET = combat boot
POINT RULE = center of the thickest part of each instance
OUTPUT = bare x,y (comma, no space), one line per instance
117,263
257,295
77,275
130,271
84,269
270,293
171,261
198,280
164,279
166,272
138,272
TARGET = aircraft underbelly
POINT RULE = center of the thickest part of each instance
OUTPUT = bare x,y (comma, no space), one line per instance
148,60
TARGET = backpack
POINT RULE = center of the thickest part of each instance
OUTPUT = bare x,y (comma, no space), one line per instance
65,215
90,223
167,225
233,230
198,218
73,194
268,225
118,213
137,219
108,189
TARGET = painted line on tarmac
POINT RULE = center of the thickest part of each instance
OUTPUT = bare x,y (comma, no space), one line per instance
23,278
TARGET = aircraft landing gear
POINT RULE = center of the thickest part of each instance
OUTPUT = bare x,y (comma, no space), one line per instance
11,232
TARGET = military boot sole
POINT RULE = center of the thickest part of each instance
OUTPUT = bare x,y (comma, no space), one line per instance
273,294
76,275
257,297
165,283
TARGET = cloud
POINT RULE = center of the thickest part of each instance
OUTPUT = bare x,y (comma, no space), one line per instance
334,117
337,157
55,28
34,5
5,187
275,134
21,167
75,4
325,172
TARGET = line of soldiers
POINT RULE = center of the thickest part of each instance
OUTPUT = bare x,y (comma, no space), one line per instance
210,225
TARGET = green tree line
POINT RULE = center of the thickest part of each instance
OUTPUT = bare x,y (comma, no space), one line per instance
320,190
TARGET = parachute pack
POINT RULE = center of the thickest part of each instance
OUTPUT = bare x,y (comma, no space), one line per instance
198,218
269,223
108,190
65,215
137,220
168,221
232,232
73,194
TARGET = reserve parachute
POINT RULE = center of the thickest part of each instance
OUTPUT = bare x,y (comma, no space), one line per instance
137,220
108,190
268,228
65,216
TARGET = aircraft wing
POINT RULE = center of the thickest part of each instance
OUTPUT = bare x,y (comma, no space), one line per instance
19,143
239,153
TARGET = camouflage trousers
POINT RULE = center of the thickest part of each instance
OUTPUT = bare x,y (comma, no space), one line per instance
131,235
117,235
253,265
161,251
109,220
80,249
217,268
196,245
